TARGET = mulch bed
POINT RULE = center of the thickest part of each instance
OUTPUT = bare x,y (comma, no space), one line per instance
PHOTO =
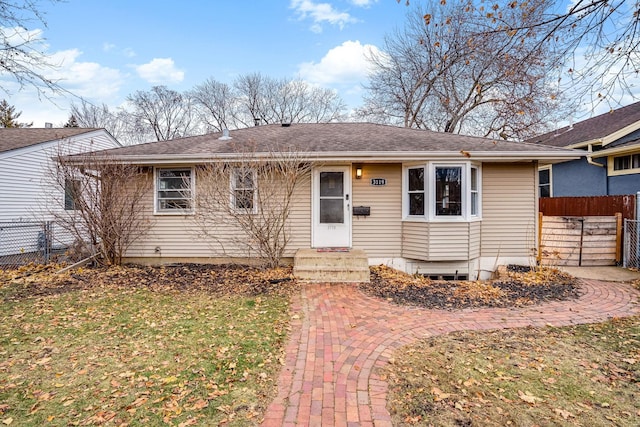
518,287
220,280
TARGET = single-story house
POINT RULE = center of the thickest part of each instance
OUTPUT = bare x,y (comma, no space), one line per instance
611,142
27,190
421,201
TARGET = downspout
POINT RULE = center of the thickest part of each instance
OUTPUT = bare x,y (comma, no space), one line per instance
589,159
593,162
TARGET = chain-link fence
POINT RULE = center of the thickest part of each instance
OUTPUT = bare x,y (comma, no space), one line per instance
631,258
32,242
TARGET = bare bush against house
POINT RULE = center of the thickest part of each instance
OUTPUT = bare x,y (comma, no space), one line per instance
103,203
244,204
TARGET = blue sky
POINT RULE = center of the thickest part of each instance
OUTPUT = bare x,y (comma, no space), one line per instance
106,50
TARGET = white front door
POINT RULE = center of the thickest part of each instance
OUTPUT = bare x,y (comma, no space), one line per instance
332,207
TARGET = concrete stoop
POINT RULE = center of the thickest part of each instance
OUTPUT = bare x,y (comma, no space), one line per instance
313,265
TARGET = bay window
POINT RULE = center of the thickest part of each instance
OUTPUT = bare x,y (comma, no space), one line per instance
441,191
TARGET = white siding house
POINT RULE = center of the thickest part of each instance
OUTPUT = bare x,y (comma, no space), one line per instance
27,191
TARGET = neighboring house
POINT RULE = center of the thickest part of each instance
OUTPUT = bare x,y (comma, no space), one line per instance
611,142
421,201
27,191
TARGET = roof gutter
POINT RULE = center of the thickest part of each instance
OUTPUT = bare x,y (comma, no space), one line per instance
590,158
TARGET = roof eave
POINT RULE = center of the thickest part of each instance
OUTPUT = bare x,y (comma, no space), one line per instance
503,156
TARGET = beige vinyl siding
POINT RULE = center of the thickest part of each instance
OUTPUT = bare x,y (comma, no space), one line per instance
509,206
300,218
415,238
440,241
380,233
183,236
474,239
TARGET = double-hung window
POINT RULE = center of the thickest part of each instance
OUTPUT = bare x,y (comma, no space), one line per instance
174,191
72,191
243,190
474,186
416,193
544,182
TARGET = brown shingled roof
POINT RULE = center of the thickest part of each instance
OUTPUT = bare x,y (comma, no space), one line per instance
590,129
323,139
14,138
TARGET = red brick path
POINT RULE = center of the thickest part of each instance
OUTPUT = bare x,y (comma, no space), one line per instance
340,337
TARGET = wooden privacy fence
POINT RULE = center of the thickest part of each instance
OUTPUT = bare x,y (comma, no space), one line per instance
580,240
589,206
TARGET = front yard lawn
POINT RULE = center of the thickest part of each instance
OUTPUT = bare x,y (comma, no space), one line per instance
584,375
140,346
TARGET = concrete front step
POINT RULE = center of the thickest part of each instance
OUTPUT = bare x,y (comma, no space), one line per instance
326,266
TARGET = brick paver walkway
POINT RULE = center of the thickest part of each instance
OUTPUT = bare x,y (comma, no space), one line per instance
340,337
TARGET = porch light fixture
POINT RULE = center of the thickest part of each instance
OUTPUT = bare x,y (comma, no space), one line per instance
358,172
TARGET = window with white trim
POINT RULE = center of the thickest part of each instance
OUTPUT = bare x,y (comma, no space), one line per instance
474,185
544,182
416,193
174,191
448,191
72,190
442,191
243,190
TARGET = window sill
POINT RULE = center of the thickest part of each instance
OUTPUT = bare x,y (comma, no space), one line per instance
177,213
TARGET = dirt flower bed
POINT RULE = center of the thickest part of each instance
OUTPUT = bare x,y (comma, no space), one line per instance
517,287
217,280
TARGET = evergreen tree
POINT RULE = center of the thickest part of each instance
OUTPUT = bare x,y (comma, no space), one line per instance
9,116
72,122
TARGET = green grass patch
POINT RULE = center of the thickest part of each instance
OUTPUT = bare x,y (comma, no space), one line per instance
583,375
139,357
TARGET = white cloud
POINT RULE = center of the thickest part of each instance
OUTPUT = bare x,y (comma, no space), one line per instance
344,64
160,70
86,79
128,52
344,68
107,47
321,13
363,3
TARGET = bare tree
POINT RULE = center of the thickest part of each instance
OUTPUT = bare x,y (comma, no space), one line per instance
103,203
265,100
162,112
441,72
596,42
244,205
119,123
215,103
21,49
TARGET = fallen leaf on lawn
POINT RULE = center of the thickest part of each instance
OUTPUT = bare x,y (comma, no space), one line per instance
189,422
7,421
438,395
630,361
200,404
564,414
528,397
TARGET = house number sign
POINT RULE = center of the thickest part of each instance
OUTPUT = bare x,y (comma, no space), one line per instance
378,182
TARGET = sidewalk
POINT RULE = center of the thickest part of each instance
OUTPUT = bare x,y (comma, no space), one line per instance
341,337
